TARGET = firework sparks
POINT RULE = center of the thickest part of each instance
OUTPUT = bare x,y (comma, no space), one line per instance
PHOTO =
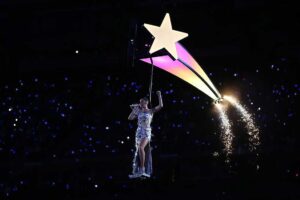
227,135
253,131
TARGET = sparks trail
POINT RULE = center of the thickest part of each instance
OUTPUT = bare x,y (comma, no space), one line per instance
252,129
227,135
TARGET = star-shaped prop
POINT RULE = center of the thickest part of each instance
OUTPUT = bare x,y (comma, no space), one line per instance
165,36
184,66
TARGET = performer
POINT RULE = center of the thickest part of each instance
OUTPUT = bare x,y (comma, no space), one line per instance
142,162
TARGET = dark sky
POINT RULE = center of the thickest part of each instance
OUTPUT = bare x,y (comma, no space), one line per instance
44,35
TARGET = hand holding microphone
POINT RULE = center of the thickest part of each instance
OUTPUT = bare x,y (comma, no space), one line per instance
135,108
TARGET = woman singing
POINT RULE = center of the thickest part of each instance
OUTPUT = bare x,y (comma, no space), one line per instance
142,162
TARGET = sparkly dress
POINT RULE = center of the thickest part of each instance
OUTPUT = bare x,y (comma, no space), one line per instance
144,128
143,131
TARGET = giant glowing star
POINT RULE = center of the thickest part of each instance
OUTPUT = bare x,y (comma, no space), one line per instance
165,36
184,66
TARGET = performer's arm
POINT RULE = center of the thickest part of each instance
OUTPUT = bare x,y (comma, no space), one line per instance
160,102
133,113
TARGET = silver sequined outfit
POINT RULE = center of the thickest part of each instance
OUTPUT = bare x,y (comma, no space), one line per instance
144,126
143,131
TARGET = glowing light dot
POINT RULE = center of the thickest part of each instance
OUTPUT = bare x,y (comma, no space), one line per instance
215,154
77,51
107,128
272,66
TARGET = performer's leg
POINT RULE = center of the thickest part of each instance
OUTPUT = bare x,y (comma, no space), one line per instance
142,145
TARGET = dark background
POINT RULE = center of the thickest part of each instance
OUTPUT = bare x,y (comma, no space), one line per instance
64,131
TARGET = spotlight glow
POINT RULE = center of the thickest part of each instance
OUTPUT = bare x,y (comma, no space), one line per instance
227,135
253,131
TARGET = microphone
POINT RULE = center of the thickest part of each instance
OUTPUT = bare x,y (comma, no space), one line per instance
132,106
